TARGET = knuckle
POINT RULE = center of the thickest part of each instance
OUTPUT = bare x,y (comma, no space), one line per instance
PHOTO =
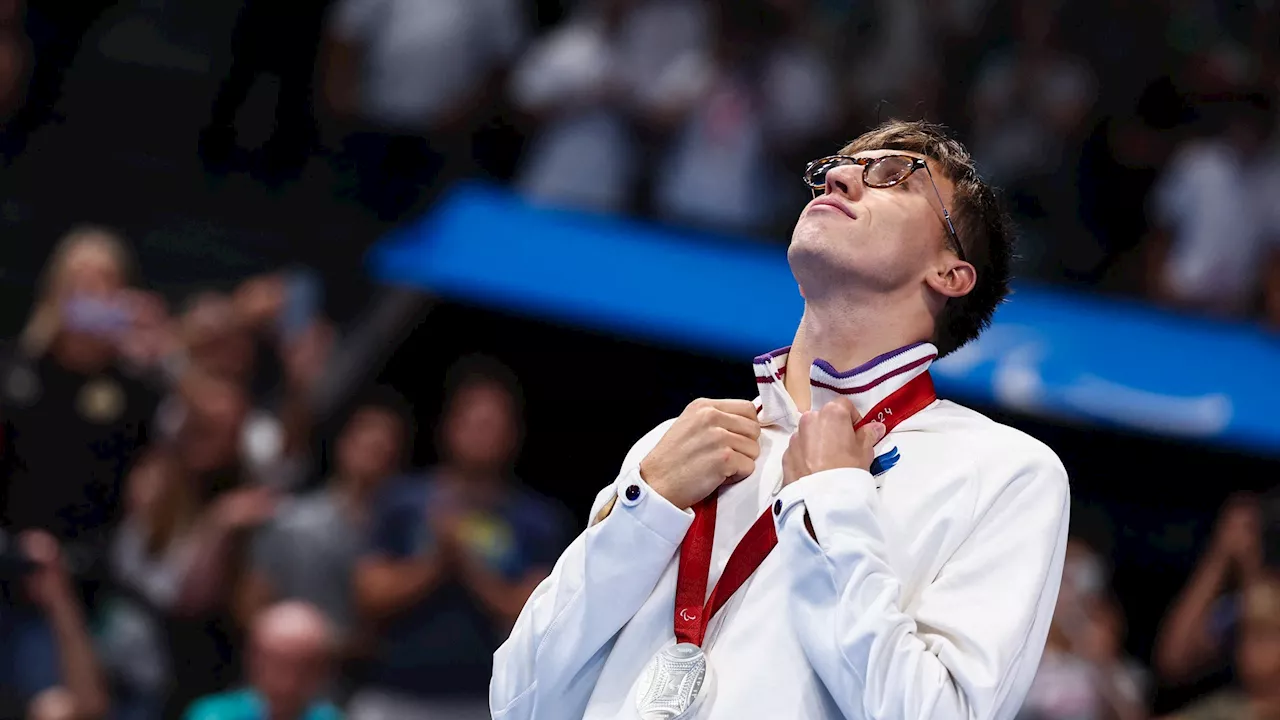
834,409
698,404
706,414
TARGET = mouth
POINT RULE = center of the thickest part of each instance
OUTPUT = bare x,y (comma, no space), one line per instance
829,203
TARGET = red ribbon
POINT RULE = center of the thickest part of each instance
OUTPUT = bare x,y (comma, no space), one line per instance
692,615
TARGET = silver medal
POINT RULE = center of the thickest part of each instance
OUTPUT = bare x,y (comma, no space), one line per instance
673,683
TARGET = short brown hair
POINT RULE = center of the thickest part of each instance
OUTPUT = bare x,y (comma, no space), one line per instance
984,229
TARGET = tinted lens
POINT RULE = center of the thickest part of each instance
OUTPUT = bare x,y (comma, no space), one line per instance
816,175
889,170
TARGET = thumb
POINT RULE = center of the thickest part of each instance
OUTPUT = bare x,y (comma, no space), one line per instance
875,431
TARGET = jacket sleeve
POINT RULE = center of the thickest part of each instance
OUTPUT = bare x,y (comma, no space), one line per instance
549,665
968,646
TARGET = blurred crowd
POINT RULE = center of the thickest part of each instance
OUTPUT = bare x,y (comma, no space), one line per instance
181,539
1135,138
174,546
1217,654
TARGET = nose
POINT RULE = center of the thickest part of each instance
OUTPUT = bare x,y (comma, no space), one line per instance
846,180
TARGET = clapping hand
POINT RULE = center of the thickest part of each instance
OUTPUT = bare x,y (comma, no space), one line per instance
48,583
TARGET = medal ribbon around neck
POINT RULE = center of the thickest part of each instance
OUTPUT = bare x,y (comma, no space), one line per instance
691,615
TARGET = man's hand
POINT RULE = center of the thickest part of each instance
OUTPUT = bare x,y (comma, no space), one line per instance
244,508
713,441
827,440
1237,538
305,357
259,300
48,583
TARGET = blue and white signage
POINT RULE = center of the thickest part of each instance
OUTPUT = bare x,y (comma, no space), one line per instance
1049,353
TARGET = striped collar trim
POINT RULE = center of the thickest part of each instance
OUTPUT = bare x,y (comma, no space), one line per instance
866,385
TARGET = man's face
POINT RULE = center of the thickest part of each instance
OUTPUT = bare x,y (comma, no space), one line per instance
481,429
289,673
369,448
209,438
884,239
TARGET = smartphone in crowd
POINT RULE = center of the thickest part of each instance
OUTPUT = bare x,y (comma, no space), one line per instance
303,297
105,317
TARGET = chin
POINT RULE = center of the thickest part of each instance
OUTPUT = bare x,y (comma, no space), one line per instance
814,259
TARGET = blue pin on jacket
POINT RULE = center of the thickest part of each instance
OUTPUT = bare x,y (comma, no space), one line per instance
885,461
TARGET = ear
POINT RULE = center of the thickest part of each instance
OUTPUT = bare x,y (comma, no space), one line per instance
954,279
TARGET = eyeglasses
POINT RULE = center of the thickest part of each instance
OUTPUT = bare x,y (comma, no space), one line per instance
881,172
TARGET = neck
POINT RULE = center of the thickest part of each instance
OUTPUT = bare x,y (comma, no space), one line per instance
356,493
483,488
65,354
845,337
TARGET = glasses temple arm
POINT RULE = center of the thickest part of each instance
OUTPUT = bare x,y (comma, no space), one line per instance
946,216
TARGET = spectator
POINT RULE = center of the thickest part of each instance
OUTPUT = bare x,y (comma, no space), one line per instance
54,31
613,73
78,691
1084,673
214,469
412,76
219,334
763,92
454,560
162,575
309,551
1257,696
890,47
14,60
269,39
289,661
73,421
1195,636
1215,207
1028,108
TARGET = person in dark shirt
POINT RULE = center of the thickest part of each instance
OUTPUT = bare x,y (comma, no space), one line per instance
73,421
454,556
72,425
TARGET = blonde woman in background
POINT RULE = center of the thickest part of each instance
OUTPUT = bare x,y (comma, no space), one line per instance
73,423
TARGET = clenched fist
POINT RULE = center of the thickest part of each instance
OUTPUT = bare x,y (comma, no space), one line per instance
827,440
713,441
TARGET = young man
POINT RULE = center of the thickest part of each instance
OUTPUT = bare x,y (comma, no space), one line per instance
869,551
310,549
453,558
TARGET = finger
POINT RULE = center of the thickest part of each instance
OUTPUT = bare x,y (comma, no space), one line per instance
40,546
746,427
791,464
841,407
871,433
740,467
741,444
741,408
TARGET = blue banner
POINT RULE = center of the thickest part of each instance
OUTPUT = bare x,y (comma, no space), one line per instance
1049,353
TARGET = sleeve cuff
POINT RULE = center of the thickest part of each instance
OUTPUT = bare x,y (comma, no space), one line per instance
650,508
818,495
